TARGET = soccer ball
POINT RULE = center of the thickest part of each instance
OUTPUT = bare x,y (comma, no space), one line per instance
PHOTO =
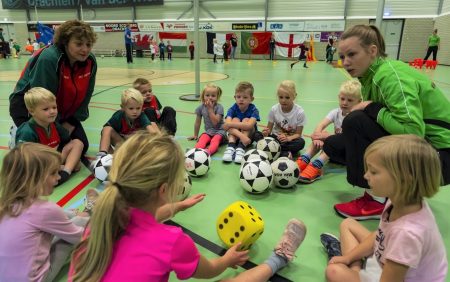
102,166
187,187
256,176
255,154
285,172
270,146
197,162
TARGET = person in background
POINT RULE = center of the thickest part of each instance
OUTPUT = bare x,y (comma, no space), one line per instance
272,48
234,44
434,43
192,49
128,44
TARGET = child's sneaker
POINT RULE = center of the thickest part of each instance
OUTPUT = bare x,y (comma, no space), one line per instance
291,239
228,155
239,155
89,200
64,176
331,244
361,208
310,174
301,164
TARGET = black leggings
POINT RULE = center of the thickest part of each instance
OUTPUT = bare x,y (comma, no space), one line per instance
358,132
431,49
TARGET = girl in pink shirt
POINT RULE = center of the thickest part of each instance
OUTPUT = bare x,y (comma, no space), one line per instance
407,245
126,242
29,224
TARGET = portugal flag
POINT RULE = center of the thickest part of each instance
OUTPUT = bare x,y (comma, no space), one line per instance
255,42
177,40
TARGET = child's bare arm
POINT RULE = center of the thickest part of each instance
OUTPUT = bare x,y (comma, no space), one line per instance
197,124
246,124
152,128
296,135
319,131
364,249
268,129
215,118
169,210
393,271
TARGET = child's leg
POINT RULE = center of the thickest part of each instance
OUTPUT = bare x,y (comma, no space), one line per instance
228,155
215,143
292,146
203,141
352,234
71,154
292,237
168,120
109,137
306,157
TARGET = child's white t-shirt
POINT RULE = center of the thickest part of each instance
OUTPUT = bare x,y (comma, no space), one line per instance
337,118
286,123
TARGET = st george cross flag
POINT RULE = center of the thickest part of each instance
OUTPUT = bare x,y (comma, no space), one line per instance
45,34
221,38
255,42
178,40
286,44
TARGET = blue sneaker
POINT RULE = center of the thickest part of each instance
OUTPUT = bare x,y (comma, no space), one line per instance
331,244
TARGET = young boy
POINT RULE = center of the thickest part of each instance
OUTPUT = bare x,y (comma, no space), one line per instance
125,122
42,128
240,123
152,107
349,96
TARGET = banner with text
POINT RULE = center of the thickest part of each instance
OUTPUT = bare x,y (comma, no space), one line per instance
73,4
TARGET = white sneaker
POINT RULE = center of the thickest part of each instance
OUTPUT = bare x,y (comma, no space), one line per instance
228,155
239,155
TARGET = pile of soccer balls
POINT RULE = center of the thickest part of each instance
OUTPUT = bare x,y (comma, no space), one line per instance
257,174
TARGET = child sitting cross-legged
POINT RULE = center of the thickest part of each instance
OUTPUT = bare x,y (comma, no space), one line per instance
125,122
42,128
349,96
240,123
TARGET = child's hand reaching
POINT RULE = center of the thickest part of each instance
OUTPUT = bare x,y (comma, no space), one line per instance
266,131
191,201
233,257
318,143
282,138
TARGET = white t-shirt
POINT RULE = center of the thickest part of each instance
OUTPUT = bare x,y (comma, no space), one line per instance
36,46
336,117
286,123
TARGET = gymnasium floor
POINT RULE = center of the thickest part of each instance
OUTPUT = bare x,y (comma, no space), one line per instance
317,89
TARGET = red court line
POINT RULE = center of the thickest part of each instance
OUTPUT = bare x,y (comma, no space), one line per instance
4,148
75,191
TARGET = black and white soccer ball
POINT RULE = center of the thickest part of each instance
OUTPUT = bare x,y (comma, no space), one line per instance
197,162
256,176
270,146
285,172
102,166
255,154
187,187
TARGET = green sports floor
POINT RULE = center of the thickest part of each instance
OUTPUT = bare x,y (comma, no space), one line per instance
317,89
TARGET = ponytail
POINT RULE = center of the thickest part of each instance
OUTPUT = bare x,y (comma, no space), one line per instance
94,253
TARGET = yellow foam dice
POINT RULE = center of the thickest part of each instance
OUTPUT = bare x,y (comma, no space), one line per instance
240,222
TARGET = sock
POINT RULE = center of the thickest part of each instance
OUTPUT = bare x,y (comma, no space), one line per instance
381,200
241,145
318,163
232,145
306,158
276,262
67,170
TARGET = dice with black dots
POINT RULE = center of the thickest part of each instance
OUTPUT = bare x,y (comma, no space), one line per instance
240,222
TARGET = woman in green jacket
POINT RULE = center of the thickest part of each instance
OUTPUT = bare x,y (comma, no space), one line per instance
397,99
434,42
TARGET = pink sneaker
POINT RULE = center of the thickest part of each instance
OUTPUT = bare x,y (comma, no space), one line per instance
292,237
361,208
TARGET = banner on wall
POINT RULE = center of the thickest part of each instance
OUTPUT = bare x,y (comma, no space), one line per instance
178,26
324,36
142,40
285,26
338,25
286,44
120,27
73,4
151,26
247,26
255,42
178,40
221,38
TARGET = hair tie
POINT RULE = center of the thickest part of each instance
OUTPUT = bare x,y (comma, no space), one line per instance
119,187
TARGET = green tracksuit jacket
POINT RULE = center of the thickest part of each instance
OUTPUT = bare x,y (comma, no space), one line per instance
406,102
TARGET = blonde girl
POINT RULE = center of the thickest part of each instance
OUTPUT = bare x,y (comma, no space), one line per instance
407,245
286,120
212,114
125,241
29,223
